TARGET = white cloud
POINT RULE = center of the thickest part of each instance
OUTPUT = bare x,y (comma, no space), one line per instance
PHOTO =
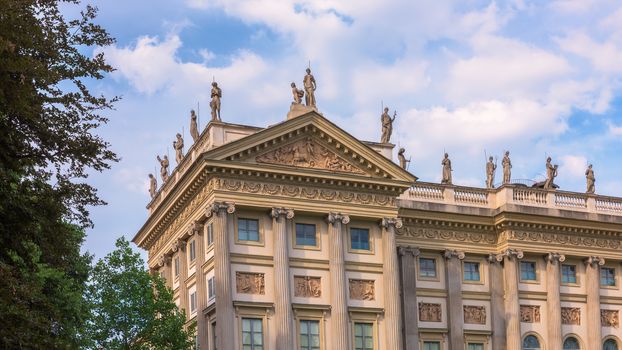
573,165
606,57
614,129
132,179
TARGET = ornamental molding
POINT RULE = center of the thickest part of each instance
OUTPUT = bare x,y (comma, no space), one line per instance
554,257
333,218
387,223
559,238
276,213
408,250
509,253
533,227
594,261
447,235
452,253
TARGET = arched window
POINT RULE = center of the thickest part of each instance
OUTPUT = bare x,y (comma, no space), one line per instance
531,343
571,343
610,344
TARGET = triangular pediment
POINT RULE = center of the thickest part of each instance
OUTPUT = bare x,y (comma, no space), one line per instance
311,143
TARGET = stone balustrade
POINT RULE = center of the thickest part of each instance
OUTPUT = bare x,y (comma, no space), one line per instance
513,194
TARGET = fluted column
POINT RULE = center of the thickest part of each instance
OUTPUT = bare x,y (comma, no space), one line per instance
392,311
510,258
553,304
196,231
223,227
592,284
453,260
338,301
408,256
497,303
180,247
282,308
165,264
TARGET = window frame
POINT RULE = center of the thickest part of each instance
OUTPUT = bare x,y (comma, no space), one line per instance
365,317
299,332
209,237
260,229
192,252
439,338
295,244
192,301
354,336
436,277
576,275
177,266
263,331
480,271
615,277
540,342
370,233
536,273
211,289
611,338
576,337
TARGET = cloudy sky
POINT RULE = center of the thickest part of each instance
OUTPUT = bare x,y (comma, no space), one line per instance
466,76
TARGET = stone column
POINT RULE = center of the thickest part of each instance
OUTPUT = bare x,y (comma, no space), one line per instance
592,286
180,246
553,305
338,285
497,300
196,231
453,262
408,274
392,311
283,305
510,258
164,263
225,325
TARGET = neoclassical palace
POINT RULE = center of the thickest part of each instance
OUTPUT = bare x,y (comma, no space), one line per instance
300,236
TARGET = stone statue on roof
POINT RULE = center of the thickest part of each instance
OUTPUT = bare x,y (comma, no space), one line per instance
507,168
491,168
310,86
591,179
214,104
153,185
402,159
446,170
178,145
298,94
387,125
194,127
163,167
551,173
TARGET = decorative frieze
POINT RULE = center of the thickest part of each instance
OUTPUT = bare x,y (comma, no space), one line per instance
571,315
307,286
429,312
250,283
530,313
474,314
362,289
609,318
559,238
447,235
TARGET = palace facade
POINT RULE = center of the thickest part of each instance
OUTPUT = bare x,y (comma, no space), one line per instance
300,236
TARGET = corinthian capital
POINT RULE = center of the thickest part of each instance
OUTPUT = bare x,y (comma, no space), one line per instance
220,208
194,228
594,261
554,257
277,212
388,222
509,253
337,217
452,253
408,251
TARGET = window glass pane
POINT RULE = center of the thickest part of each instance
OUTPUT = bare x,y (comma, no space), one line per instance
176,266
359,238
363,336
571,344
607,276
531,343
471,271
305,235
527,270
309,334
427,267
475,346
610,344
252,334
248,230
193,254
431,345
569,274
210,234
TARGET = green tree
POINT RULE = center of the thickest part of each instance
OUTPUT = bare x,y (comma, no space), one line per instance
47,145
132,309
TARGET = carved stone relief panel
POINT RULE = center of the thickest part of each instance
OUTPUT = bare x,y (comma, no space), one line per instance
362,290
530,313
474,314
250,283
571,315
609,318
430,312
307,286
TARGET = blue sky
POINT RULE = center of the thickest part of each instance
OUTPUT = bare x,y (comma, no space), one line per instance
466,76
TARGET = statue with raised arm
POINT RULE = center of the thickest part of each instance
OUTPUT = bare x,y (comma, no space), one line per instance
153,185
163,168
491,167
591,179
298,94
551,173
178,145
310,86
194,127
507,168
402,159
446,170
387,125
215,102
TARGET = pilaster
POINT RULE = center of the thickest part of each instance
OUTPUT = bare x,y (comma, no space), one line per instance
497,300
407,259
180,247
510,258
553,304
282,308
592,284
339,303
454,298
196,231
392,311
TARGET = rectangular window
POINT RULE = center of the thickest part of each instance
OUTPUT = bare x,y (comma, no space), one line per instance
193,302
471,271
213,329
309,335
475,346
252,334
431,345
427,267
607,276
364,336
248,230
193,250
569,274
210,234
211,291
527,271
176,266
305,235
359,239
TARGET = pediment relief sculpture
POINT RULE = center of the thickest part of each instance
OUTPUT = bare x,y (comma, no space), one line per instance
250,283
474,314
362,290
430,312
571,315
306,153
307,286
609,318
530,313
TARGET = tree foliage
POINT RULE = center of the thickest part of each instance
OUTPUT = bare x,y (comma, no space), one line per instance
132,310
47,145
